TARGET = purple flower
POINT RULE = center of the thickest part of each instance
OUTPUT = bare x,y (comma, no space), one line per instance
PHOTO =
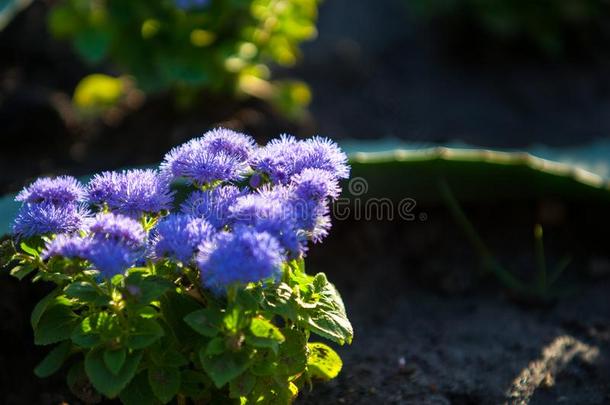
47,218
179,235
278,158
206,160
66,245
131,192
231,143
212,204
111,257
267,212
59,191
325,154
282,159
243,256
118,228
316,185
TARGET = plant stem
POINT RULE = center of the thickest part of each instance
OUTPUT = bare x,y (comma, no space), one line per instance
487,259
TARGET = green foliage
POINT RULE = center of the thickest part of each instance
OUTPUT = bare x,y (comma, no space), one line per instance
152,335
217,46
547,24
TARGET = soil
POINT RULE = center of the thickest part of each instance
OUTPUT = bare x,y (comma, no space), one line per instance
431,326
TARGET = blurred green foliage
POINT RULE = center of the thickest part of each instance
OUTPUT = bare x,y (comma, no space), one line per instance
548,25
221,46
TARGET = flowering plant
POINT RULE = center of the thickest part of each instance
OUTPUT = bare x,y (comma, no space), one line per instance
205,298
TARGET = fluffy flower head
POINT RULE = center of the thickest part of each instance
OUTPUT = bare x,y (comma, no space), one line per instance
59,191
179,236
47,218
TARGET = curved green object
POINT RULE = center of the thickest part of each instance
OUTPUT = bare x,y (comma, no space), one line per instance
396,170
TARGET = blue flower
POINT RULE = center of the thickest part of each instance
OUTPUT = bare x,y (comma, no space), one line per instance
118,228
282,159
212,204
131,192
59,191
325,154
316,185
111,257
47,218
267,212
242,256
67,245
278,158
231,143
206,160
179,235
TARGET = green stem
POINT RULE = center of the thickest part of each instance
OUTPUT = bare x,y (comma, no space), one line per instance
487,259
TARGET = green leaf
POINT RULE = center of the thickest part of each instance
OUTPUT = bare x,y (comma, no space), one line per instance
225,367
114,359
143,333
95,329
138,392
29,250
264,334
195,384
165,382
146,289
42,306
103,379
328,319
280,301
85,292
54,360
242,385
174,307
216,346
55,324
323,362
207,322
293,353
20,272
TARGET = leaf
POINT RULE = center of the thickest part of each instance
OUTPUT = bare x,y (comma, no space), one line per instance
20,272
144,332
174,307
205,321
215,346
242,385
55,324
165,382
328,319
53,360
264,334
146,289
41,307
96,328
85,292
225,367
293,353
323,362
103,379
114,359
7,252
29,250
138,392
194,384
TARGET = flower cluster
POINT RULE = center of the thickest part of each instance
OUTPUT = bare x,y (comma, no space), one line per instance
251,209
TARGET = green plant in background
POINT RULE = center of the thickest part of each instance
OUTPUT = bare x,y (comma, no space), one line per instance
211,302
547,24
186,46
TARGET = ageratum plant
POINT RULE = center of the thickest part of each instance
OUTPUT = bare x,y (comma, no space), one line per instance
222,46
207,298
